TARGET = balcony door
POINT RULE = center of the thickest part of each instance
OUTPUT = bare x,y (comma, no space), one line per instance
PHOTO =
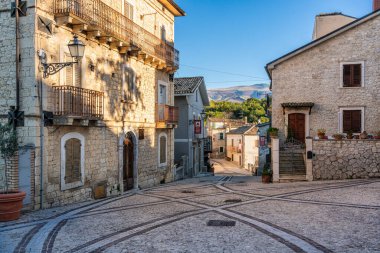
162,94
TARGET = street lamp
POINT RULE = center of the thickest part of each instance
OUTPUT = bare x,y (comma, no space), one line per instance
76,48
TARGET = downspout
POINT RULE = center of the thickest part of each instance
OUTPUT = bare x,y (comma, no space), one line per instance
42,123
17,56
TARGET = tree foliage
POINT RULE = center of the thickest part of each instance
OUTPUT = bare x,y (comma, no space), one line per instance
254,109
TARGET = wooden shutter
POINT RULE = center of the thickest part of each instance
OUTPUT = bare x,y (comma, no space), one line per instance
78,75
69,72
73,163
356,75
162,149
352,75
352,121
128,10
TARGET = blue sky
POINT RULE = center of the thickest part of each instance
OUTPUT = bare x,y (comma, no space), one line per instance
236,38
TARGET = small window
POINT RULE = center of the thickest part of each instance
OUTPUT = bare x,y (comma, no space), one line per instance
232,142
162,140
221,149
262,141
196,96
352,121
221,136
128,10
352,75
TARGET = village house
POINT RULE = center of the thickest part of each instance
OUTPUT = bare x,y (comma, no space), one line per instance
190,137
104,124
217,129
332,83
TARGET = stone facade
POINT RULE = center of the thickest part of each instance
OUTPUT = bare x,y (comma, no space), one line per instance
314,75
347,159
101,70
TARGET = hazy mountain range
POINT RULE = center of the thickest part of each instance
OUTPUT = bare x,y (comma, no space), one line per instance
239,93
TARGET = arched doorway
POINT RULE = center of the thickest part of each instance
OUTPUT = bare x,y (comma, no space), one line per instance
296,126
128,162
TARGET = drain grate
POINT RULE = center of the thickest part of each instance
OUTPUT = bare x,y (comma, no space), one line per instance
187,191
221,223
232,201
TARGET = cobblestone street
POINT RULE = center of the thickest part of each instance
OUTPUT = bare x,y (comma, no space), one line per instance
333,216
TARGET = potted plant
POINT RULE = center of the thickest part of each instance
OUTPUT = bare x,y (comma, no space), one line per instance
321,133
10,199
273,132
266,175
338,137
377,135
363,135
350,135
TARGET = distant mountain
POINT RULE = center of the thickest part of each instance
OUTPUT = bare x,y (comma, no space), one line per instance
239,93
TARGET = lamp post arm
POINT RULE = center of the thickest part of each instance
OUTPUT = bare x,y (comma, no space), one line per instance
53,68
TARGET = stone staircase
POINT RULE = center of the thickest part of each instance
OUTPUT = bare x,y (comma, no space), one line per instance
292,165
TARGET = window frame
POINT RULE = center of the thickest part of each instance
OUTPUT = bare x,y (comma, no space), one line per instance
221,149
362,109
341,81
64,55
159,150
221,135
64,139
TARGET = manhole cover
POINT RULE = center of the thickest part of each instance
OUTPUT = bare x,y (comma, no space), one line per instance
187,191
232,201
221,223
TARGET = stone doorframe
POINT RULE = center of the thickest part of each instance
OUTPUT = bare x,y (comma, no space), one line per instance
122,137
305,111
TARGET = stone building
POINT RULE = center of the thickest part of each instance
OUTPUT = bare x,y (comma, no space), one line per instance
103,125
217,129
332,83
190,96
243,147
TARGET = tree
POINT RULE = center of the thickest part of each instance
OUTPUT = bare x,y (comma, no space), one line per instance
8,147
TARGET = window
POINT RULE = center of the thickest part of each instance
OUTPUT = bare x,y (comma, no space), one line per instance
352,74
352,119
72,161
162,149
262,141
130,84
221,136
128,10
163,33
196,96
232,142
221,149
73,73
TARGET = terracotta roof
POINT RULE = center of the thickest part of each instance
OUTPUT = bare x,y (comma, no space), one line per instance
173,7
301,104
248,129
186,85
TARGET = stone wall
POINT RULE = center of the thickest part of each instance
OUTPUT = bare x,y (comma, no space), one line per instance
346,159
314,76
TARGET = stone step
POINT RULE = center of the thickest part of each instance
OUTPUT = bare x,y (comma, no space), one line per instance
292,178
292,161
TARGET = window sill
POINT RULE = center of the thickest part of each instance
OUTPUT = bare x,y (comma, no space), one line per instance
69,186
351,87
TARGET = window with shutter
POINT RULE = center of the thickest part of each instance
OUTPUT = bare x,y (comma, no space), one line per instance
352,75
73,74
352,121
162,149
73,162
128,10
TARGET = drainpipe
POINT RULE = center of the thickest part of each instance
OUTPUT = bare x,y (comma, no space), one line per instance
17,56
41,140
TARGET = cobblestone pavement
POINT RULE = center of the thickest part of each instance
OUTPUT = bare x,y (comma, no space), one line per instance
329,216
227,168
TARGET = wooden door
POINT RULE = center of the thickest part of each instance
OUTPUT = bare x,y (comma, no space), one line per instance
296,126
128,164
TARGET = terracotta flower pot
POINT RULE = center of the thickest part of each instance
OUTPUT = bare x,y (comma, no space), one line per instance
10,205
266,179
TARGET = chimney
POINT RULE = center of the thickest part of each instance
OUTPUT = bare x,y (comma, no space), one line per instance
376,5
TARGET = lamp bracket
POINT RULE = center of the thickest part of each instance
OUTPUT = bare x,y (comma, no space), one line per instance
53,68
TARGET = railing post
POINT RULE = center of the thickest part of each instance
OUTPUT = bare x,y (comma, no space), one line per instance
276,159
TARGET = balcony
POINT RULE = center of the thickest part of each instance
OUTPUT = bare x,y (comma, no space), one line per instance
100,21
167,116
74,103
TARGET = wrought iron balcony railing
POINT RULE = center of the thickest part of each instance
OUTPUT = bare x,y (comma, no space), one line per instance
99,16
78,102
167,114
